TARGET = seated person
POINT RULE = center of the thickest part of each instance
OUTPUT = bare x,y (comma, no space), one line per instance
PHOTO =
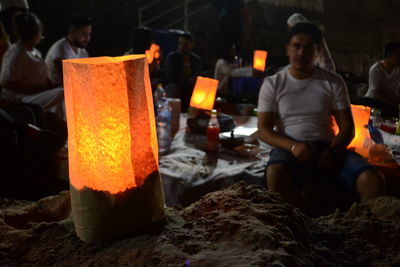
182,68
24,72
300,101
324,59
226,67
384,81
72,46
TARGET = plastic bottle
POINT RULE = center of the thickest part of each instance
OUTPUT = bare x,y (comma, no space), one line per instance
213,133
164,117
159,94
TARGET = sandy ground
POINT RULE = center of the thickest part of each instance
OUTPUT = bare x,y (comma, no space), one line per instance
240,226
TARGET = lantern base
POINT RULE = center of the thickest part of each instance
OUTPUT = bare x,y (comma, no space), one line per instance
199,122
102,216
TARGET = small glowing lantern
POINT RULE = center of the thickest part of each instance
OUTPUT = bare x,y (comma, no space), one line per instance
153,53
204,93
361,140
112,147
259,59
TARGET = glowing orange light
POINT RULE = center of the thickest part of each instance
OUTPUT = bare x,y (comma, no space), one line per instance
153,53
361,140
112,137
259,59
204,92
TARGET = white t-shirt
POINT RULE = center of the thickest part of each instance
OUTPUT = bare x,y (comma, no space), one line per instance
380,80
304,107
23,66
58,51
13,3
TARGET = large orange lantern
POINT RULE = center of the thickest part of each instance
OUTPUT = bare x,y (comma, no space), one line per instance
259,59
361,140
112,147
204,93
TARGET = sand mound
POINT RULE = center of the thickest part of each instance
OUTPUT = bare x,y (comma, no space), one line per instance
241,226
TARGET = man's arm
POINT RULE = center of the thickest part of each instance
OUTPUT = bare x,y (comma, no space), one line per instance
266,121
344,120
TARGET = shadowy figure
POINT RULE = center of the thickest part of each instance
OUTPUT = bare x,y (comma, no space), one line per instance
384,82
72,46
8,10
24,72
182,67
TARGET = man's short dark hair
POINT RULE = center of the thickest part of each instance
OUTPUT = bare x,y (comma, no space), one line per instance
26,25
188,35
78,21
307,28
142,38
391,48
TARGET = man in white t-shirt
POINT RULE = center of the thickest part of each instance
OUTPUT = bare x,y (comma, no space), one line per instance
72,46
384,80
300,101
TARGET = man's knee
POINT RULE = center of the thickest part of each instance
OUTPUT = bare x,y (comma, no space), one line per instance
370,184
277,174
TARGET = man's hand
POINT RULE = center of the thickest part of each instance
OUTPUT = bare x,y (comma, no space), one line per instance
303,151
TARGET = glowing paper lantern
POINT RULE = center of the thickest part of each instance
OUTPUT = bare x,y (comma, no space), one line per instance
112,147
153,53
204,93
361,140
260,59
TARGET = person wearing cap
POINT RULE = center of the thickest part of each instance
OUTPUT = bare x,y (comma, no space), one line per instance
295,110
324,59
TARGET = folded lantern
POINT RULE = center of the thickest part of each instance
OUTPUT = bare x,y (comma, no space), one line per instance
259,59
112,147
361,140
204,93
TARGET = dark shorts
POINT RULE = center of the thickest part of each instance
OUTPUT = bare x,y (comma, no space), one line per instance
349,165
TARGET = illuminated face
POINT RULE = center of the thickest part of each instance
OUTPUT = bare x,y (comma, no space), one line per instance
81,37
302,52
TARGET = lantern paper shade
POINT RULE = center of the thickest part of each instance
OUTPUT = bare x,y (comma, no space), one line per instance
153,53
204,93
112,147
361,140
259,59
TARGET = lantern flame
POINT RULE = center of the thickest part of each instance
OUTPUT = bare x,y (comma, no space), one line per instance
259,59
204,93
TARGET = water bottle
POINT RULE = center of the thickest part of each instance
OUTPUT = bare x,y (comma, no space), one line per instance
164,117
213,133
159,94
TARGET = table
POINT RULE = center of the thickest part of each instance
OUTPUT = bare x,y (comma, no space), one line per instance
188,172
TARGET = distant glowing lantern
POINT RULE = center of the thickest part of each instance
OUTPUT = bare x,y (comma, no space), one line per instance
204,93
259,59
113,159
153,53
361,140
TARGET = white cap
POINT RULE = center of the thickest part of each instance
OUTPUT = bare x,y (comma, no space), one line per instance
296,18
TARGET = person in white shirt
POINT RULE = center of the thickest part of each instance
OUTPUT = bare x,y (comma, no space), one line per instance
72,46
295,112
324,59
24,72
384,80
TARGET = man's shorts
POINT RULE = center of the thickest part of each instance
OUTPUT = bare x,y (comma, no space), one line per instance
349,165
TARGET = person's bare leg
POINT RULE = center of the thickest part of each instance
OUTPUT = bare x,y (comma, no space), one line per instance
370,184
279,180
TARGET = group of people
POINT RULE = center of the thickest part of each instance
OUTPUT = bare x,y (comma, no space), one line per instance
32,109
